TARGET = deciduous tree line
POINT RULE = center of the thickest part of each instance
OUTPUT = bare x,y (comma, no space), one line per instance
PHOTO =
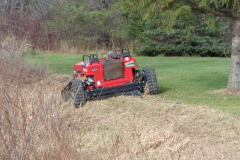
82,23
94,24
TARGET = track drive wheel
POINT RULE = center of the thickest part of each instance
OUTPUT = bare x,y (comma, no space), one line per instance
78,93
151,86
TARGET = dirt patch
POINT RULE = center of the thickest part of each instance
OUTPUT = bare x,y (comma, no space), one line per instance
225,91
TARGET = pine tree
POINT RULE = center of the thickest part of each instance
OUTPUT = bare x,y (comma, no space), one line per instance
183,9
152,40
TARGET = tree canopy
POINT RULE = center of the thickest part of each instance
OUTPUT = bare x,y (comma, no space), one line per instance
175,10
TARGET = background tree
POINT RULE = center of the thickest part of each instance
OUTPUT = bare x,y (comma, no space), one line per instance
182,9
26,21
152,40
90,24
105,24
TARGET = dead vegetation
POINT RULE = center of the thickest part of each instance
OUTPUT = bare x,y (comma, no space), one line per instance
151,128
35,122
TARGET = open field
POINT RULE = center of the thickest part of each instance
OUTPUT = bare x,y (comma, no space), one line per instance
188,80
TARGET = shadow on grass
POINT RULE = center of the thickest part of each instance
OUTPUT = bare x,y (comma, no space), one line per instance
163,89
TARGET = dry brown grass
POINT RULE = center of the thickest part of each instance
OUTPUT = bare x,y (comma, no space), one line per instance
13,45
36,123
31,124
151,128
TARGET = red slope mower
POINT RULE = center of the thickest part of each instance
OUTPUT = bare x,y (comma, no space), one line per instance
116,74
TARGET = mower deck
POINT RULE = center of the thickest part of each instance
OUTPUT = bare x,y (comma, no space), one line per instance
126,89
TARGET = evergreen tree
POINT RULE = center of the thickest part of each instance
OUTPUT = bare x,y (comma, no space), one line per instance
183,9
152,40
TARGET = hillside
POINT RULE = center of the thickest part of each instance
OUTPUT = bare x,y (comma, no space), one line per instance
146,127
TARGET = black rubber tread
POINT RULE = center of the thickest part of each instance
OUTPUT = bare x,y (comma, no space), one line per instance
78,91
151,79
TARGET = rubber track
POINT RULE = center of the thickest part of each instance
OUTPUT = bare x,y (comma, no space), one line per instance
151,79
79,93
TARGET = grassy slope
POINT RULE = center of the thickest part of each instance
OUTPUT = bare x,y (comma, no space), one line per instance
190,80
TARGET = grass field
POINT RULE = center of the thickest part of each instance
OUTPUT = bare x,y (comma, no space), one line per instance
188,80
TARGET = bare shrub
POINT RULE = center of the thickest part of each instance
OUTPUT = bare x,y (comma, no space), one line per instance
22,27
32,124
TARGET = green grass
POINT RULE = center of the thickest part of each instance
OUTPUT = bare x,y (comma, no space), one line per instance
58,63
193,80
189,80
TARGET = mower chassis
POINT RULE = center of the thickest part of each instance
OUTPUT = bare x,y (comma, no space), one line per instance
100,93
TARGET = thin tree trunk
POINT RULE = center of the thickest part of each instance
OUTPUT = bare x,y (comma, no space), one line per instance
234,75
132,48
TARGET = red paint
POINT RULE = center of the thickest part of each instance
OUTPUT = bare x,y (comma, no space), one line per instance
96,69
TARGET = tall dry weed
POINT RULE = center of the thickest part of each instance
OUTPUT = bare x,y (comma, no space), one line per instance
32,125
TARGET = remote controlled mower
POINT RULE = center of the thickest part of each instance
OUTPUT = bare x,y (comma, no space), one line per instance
115,74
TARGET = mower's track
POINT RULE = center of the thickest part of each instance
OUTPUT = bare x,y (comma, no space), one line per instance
78,92
150,77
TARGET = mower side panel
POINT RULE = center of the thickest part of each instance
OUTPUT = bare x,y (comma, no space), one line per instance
114,72
129,63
